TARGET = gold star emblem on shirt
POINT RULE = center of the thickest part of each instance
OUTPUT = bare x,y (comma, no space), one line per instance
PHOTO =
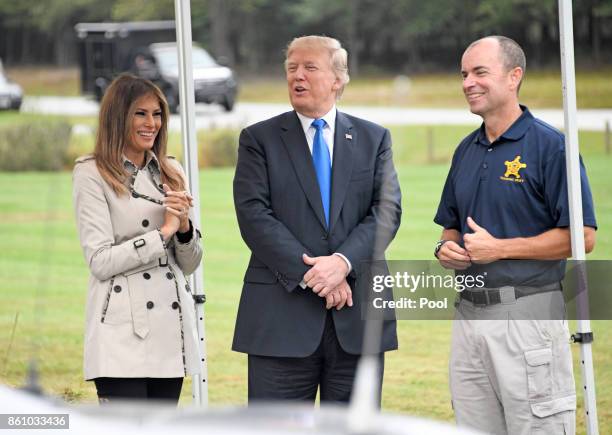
513,167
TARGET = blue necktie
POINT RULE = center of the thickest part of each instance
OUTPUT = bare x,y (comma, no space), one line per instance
322,164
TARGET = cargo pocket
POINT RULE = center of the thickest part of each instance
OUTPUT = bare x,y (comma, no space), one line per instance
555,416
550,415
539,374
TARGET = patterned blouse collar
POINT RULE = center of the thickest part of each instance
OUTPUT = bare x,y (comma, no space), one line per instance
151,162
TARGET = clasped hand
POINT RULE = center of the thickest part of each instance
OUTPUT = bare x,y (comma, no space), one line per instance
176,217
480,248
327,278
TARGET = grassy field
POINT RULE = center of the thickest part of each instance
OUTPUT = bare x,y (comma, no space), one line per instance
46,80
540,89
44,281
414,144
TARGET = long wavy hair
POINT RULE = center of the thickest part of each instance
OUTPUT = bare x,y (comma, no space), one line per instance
117,111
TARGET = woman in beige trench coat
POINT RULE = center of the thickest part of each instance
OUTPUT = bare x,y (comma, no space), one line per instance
139,241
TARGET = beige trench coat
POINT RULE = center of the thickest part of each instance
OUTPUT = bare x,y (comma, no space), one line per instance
140,315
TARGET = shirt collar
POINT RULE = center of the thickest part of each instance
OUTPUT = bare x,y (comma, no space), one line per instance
516,131
329,117
150,160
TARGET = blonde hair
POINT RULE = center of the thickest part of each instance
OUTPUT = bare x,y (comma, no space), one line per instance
338,56
117,111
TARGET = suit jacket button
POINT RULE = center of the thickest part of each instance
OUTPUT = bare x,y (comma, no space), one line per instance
150,305
169,275
324,236
175,305
117,288
145,223
146,275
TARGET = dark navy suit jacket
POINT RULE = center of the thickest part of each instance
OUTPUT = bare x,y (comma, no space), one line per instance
280,214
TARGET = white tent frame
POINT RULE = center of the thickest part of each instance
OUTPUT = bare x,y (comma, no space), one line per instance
182,10
584,335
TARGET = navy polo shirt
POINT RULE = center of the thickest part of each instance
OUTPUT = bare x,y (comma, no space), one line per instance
513,187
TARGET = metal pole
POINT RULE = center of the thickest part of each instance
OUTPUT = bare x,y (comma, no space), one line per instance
566,38
182,12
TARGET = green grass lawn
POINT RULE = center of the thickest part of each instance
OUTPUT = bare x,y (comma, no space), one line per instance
46,80
540,89
44,282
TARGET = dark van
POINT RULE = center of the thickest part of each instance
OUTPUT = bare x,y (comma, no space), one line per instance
108,49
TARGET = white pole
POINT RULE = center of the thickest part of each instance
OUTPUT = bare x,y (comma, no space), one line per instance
182,12
584,335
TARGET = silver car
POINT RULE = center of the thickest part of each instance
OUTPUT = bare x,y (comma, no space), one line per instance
11,93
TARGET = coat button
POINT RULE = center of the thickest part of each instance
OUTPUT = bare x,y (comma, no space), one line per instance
187,288
485,166
117,288
150,305
145,223
175,305
324,236
169,275
146,275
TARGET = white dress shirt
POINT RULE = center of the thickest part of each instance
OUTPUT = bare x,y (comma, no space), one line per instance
328,130
328,137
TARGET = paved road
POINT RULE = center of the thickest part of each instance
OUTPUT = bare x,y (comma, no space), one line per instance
248,113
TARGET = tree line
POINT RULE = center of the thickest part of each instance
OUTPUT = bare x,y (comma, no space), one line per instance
381,35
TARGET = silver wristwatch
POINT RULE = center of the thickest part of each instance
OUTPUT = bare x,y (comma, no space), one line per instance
438,247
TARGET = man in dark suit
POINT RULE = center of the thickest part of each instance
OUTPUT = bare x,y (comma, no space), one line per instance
316,194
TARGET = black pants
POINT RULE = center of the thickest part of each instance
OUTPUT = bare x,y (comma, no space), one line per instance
162,389
329,368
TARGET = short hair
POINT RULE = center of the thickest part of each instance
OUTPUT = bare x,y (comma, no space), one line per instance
512,55
338,56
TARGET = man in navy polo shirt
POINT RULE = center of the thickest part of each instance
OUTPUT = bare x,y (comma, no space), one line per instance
506,198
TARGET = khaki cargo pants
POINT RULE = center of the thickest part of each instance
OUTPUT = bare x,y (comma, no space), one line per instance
511,371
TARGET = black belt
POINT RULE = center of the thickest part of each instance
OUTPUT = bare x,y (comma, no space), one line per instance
506,294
